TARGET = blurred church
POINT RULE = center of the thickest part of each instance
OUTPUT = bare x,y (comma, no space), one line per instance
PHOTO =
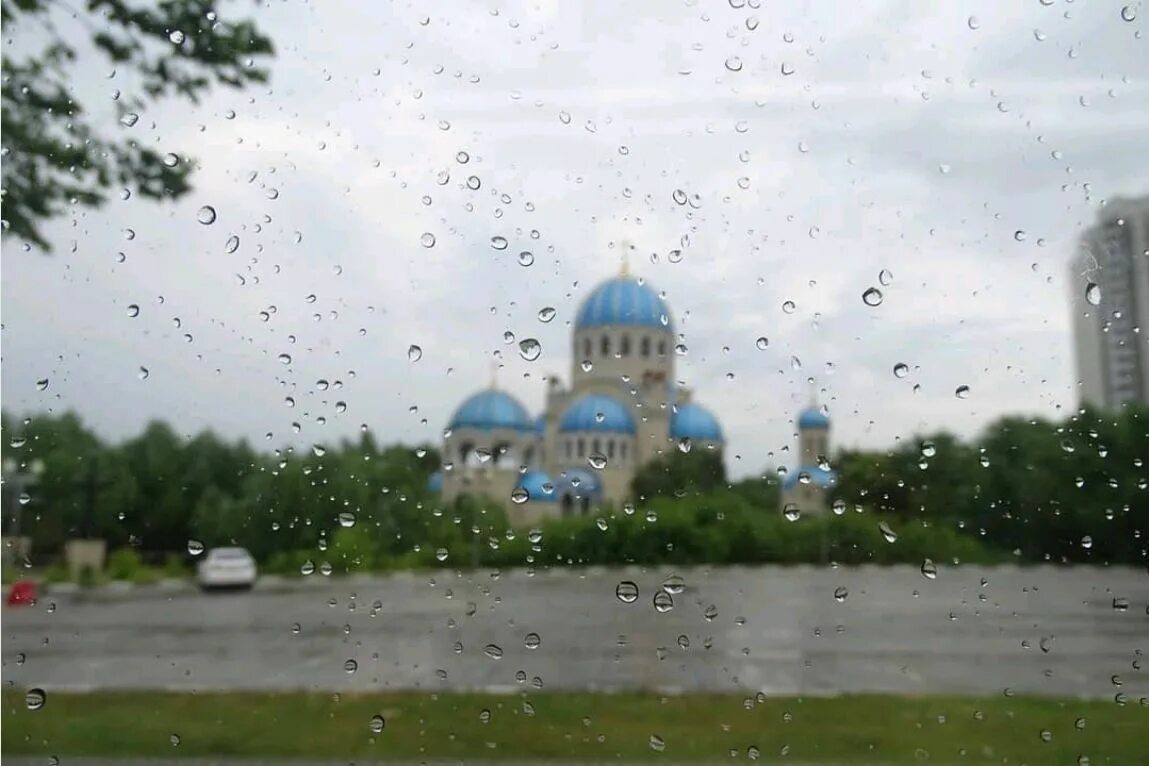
620,410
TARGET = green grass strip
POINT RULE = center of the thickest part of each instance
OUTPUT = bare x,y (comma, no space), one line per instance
868,729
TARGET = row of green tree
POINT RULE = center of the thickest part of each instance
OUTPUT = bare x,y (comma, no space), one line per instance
1028,490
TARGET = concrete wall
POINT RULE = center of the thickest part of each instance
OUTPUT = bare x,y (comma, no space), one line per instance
811,499
614,365
812,444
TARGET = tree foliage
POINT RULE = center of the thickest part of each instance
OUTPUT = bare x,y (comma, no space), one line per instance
55,154
1026,491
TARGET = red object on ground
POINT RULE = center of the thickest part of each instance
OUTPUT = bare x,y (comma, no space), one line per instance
23,593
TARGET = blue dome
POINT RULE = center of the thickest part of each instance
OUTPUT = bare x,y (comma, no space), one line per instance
819,477
694,422
578,482
541,424
539,487
435,483
595,412
623,301
491,409
813,417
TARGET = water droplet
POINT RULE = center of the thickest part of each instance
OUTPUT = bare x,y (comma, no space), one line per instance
1093,294
663,601
284,358
441,554
657,744
350,666
962,392
206,215
734,64
474,183
484,716
231,245
171,160
787,69
34,699
143,373
427,239
901,370
530,349
788,307
1120,604
684,445
498,243
519,495
888,534
885,277
526,258
195,547
494,651
532,641
42,384
674,584
546,314
710,613
1046,735
462,158
414,353
597,461
791,512
762,343
929,569
872,297
626,592
346,519
133,311
176,36
973,23
308,567
840,593
839,505
1128,13
929,449
377,724
129,119
175,740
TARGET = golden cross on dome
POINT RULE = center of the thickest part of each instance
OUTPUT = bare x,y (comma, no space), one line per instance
624,266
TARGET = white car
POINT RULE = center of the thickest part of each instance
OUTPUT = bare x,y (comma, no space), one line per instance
227,568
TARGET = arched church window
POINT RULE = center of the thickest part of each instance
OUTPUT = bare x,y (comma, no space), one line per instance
662,347
610,449
605,345
570,449
624,346
596,447
622,450
644,347
581,448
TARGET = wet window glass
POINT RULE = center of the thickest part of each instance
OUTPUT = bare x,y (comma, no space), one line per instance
538,382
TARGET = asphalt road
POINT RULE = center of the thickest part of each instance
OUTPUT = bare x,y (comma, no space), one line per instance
780,631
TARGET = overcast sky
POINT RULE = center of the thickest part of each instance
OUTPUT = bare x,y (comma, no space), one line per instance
960,146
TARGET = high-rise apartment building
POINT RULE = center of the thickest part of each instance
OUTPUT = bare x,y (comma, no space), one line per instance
1109,281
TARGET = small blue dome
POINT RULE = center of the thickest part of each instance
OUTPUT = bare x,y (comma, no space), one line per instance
813,417
819,477
492,409
435,483
694,422
579,482
623,301
539,487
595,412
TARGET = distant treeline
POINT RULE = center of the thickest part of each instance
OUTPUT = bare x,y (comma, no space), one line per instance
1028,490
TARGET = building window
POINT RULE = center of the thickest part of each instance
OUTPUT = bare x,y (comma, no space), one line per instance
605,345
529,455
581,448
662,347
624,346
610,450
596,447
586,348
622,450
644,347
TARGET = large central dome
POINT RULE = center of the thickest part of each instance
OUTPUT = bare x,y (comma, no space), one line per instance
623,301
